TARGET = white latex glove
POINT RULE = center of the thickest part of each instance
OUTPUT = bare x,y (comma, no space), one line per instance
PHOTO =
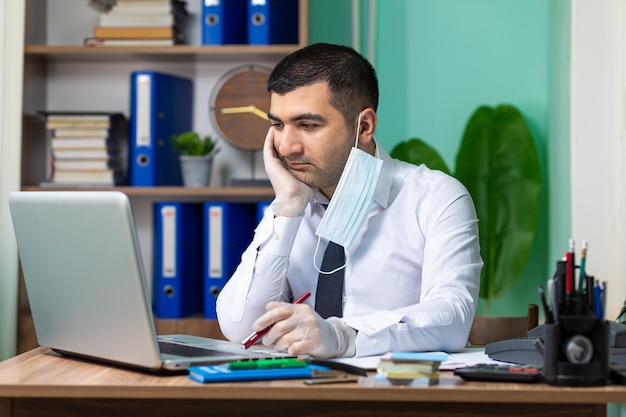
299,330
292,195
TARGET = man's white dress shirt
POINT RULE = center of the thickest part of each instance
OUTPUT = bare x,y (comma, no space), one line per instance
412,274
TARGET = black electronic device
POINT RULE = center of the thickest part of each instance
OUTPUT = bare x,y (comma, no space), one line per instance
527,350
522,351
618,374
500,373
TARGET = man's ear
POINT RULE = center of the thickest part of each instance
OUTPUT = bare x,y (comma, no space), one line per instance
369,120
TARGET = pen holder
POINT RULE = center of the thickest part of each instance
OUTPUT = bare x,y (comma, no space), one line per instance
576,351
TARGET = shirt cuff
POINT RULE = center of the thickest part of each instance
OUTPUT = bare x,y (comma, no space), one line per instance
374,333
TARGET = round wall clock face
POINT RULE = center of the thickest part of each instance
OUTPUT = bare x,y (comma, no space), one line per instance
239,105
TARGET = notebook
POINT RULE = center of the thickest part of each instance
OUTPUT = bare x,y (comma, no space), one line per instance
85,282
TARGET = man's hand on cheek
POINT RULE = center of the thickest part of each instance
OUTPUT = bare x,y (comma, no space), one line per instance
292,196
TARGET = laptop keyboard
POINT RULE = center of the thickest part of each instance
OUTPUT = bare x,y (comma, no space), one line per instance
187,351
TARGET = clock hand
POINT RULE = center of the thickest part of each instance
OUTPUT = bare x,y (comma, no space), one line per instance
260,113
245,109
232,110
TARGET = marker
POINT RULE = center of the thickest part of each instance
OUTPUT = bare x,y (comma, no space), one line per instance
255,336
268,363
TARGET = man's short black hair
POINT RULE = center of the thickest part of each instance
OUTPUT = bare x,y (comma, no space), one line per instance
351,78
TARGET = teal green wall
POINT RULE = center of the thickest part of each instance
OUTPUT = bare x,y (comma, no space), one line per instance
438,60
558,145
330,21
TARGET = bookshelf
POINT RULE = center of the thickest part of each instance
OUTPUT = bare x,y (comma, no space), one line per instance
188,53
61,74
210,193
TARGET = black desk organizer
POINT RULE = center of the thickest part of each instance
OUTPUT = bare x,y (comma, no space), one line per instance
576,351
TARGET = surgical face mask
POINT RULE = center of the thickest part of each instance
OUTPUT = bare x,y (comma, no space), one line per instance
352,198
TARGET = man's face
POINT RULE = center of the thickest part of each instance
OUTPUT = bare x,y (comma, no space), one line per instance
310,136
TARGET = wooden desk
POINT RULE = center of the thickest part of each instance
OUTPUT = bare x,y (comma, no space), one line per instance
40,382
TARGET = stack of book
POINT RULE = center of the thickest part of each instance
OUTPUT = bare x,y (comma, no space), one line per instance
140,23
87,148
409,368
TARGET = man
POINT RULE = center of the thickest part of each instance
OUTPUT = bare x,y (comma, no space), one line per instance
409,280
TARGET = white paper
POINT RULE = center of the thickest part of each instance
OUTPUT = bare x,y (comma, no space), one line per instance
467,357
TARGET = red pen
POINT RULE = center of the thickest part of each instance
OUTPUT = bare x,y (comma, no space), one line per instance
570,279
255,336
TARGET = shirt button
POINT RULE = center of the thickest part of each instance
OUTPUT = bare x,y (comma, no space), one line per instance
274,235
344,299
371,328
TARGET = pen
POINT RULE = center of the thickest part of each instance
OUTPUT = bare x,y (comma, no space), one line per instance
554,298
583,262
546,309
255,336
559,280
597,291
590,292
268,363
570,276
603,298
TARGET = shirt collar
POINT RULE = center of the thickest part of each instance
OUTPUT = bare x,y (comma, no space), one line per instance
383,189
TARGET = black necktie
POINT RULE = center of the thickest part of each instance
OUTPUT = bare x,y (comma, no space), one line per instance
328,299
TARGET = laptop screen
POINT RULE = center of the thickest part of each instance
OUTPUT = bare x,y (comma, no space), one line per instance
83,274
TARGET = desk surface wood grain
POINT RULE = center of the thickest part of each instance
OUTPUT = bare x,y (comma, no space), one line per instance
41,373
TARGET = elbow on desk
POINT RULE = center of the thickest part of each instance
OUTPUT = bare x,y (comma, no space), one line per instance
233,330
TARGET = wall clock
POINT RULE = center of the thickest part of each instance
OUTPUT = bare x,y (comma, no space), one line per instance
239,104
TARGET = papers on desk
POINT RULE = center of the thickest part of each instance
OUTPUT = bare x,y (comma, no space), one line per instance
409,368
449,361
385,376
467,357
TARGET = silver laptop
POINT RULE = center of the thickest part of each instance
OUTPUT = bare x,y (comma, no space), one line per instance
86,285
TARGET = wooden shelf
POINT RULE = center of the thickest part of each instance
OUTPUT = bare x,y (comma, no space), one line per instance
184,53
196,326
46,64
229,193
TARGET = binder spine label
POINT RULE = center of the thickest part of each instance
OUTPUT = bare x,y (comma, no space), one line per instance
161,106
216,242
143,111
168,266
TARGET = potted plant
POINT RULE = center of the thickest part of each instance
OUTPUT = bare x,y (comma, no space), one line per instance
499,164
196,157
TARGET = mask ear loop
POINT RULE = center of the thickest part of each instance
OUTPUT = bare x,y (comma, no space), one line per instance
317,247
376,144
356,141
358,130
319,269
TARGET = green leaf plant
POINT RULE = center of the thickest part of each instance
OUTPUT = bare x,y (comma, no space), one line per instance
499,165
190,143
